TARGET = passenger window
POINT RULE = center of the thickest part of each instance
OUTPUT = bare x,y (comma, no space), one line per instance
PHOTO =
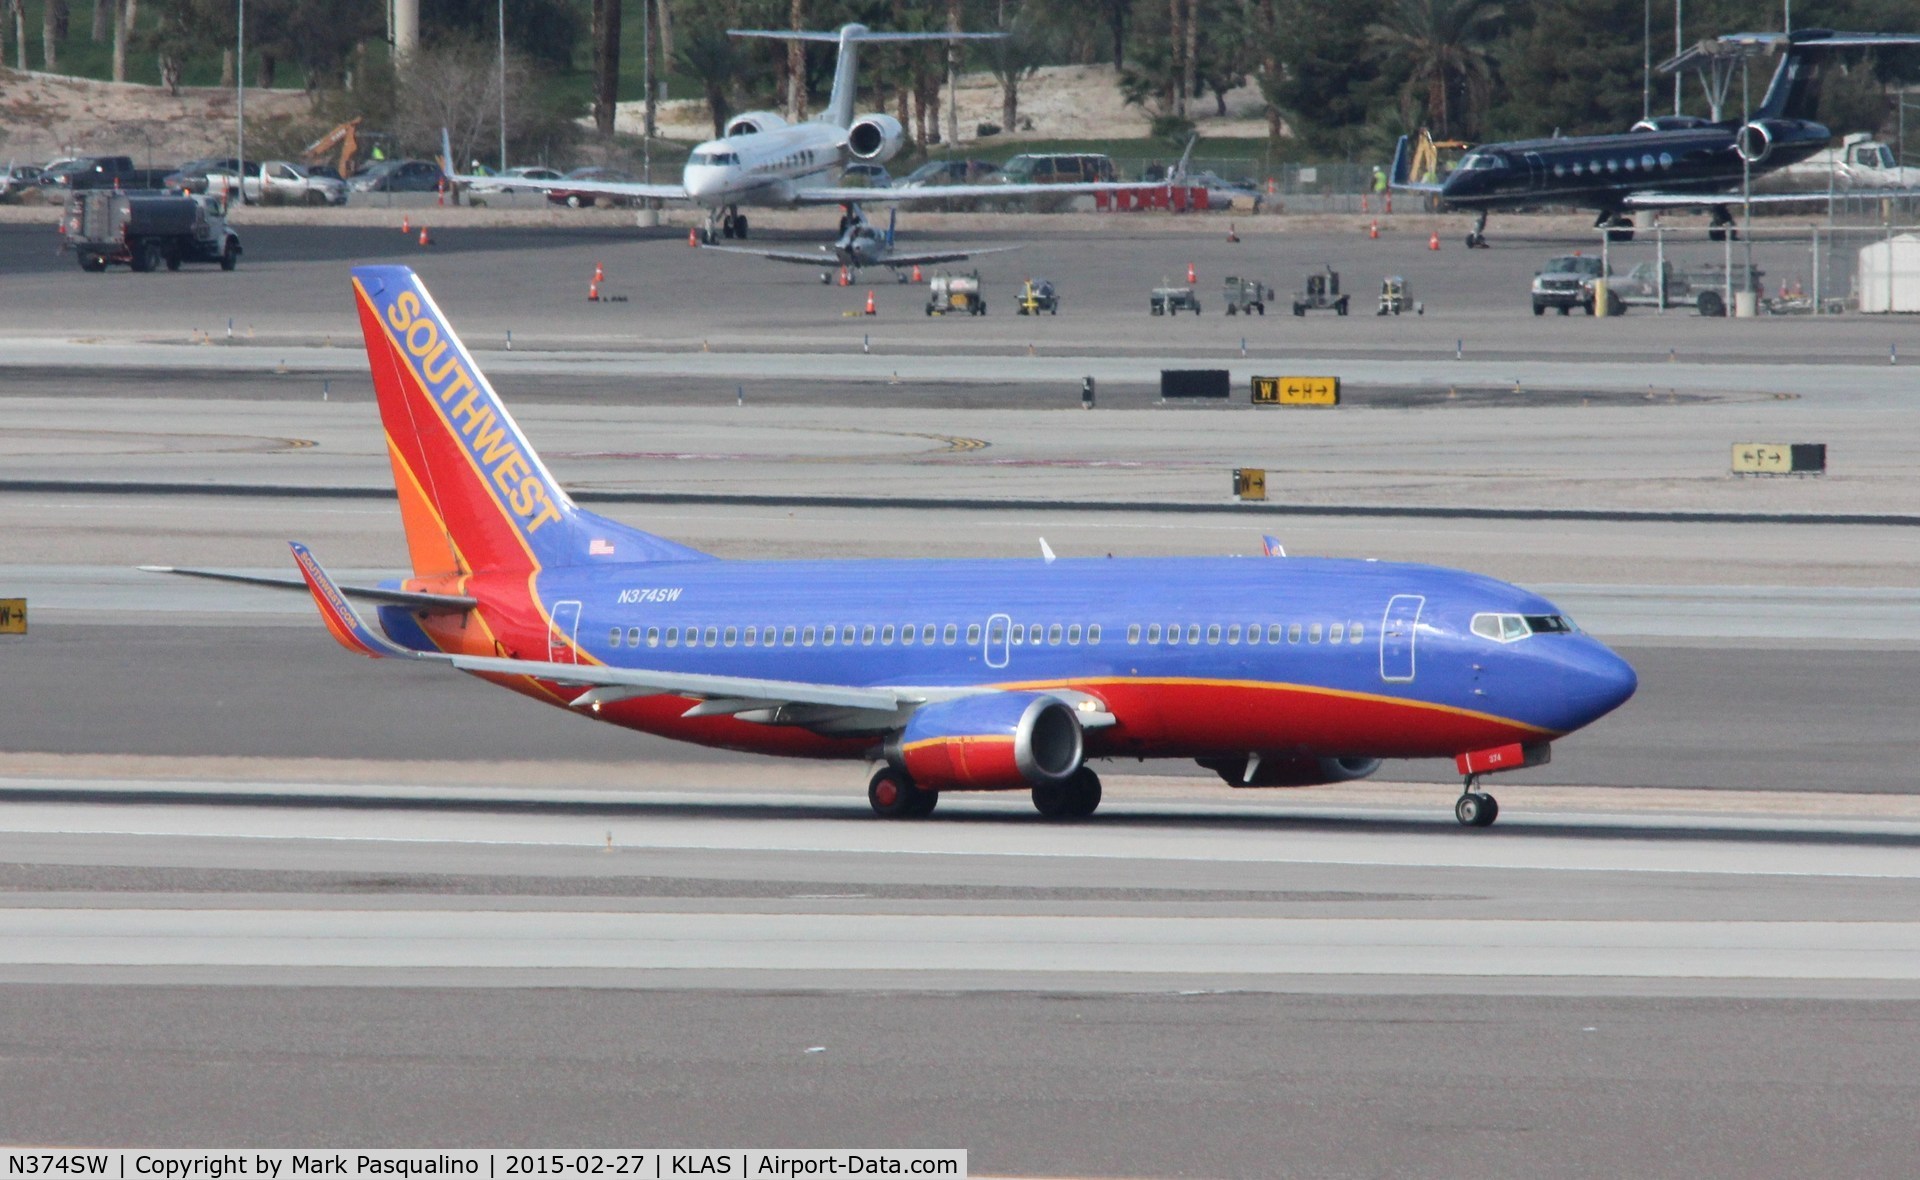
1336,633
712,636
1666,160
827,636
1253,633
786,637
693,637
926,634
1133,633
1193,632
950,636
886,634
1073,635
1356,633
732,636
806,637
1213,633
846,635
751,636
633,637
1233,634
653,637
906,635
1313,633
1053,635
1293,632
614,638
1093,634
973,634
1019,634
1153,633
673,637
1173,633
866,634
1273,633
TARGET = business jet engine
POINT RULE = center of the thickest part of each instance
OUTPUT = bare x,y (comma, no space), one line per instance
754,123
877,138
994,741
1291,772
1756,140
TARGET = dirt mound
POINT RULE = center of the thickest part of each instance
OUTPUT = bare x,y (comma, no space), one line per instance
48,115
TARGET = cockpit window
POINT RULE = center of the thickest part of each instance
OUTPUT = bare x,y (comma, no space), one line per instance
711,159
1505,628
1481,162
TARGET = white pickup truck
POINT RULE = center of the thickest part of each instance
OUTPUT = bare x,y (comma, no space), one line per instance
280,182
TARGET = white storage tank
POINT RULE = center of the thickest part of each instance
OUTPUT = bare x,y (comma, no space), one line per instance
1888,278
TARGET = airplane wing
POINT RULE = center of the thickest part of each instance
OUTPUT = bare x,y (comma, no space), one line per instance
719,695
825,257
597,188
417,600
1703,200
942,192
930,257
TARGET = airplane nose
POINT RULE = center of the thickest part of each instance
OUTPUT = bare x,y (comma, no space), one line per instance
1599,682
703,182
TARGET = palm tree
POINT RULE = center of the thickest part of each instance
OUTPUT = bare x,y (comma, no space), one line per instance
1441,45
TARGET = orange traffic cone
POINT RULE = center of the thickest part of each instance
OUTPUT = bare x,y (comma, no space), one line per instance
593,291
1373,228
1233,234
846,280
1191,277
599,275
869,310
1364,207
406,225
693,238
441,198
916,272
1269,186
425,238
1387,201
1433,242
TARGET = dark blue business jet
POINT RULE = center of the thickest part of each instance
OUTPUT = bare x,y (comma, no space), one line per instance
1666,162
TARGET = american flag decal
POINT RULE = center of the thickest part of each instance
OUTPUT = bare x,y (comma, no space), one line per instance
600,547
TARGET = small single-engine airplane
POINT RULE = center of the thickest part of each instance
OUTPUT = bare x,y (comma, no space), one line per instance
1665,162
764,161
954,675
859,245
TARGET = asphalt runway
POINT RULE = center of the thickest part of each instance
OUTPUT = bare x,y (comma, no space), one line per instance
1768,718
1172,994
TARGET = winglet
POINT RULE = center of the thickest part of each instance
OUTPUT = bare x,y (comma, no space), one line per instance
1272,547
446,154
343,622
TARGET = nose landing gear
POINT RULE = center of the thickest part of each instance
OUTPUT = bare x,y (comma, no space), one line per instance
1475,808
1477,236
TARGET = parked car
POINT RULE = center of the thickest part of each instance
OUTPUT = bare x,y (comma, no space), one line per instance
109,172
867,175
1075,169
938,172
282,182
576,200
503,183
16,179
398,176
1564,283
210,174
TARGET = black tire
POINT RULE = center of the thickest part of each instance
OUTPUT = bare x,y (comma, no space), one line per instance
1231,310
1467,809
740,226
1711,304
1489,809
93,264
143,256
173,262
1261,308
229,256
315,197
573,200
893,795
1299,310
1565,310
1539,309
1075,798
1615,304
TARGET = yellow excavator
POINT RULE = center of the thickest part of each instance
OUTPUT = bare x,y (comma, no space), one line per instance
345,138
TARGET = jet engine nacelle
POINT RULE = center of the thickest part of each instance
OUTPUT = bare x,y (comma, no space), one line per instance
992,741
1755,141
754,123
1291,772
877,138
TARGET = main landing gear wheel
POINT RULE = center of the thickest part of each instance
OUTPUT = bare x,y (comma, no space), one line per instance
1076,798
895,796
1476,809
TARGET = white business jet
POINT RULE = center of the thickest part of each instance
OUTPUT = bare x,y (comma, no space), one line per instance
763,161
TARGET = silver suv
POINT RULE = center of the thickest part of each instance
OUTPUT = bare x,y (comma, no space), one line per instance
1566,283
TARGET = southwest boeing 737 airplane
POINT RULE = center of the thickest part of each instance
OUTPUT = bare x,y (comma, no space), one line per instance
953,675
